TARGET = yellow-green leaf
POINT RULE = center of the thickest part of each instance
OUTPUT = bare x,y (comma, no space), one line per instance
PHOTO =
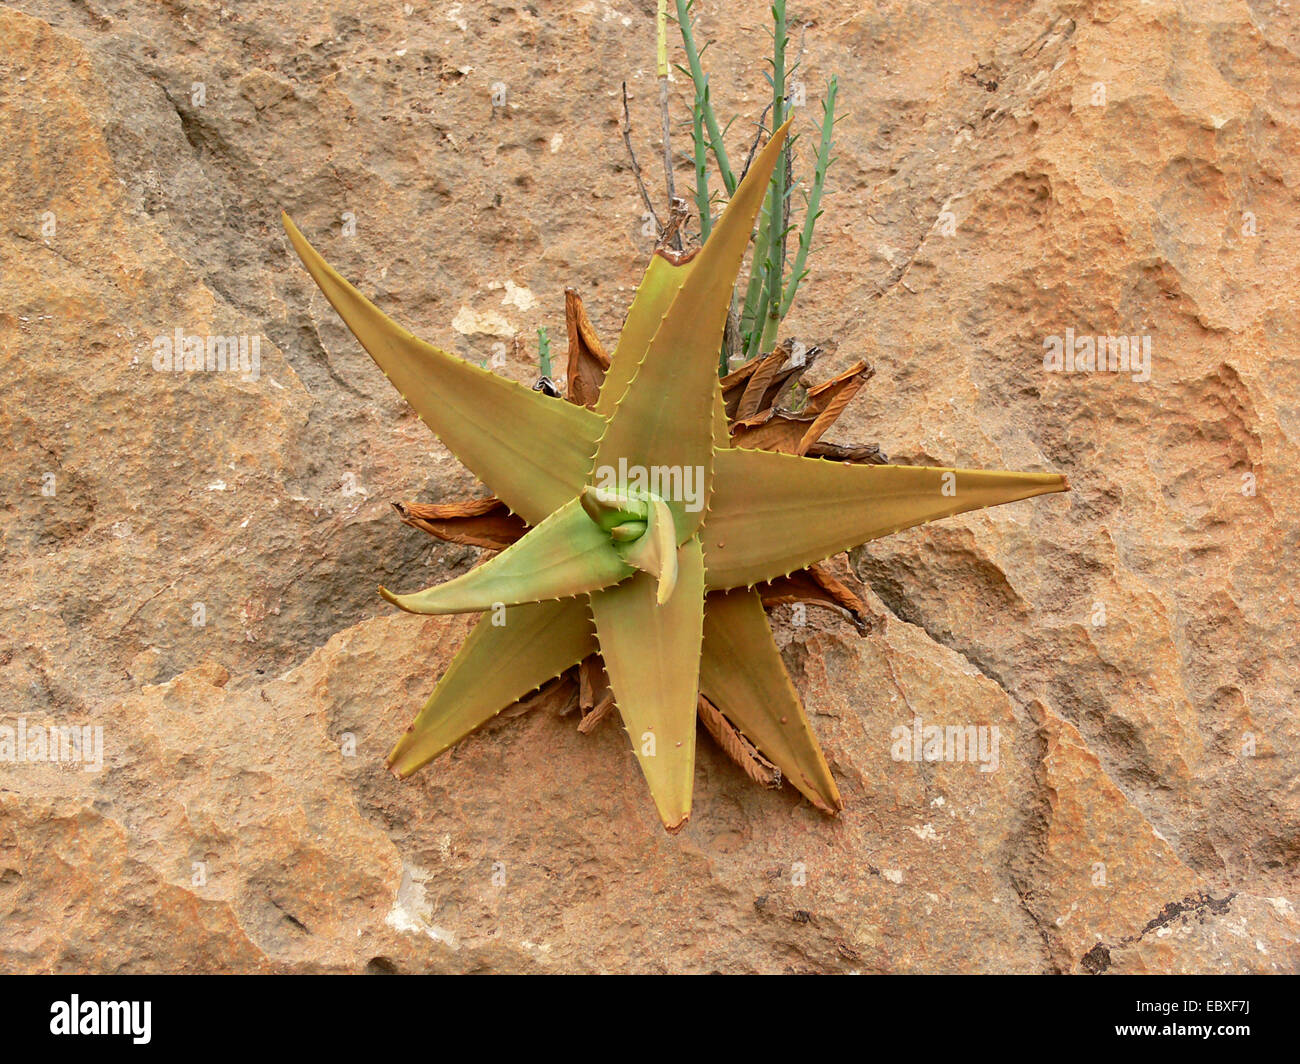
654,295
773,513
741,673
666,419
497,666
533,451
566,555
652,656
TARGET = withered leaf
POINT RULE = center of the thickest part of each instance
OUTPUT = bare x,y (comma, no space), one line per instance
793,432
816,586
588,359
598,713
867,454
476,522
755,386
737,747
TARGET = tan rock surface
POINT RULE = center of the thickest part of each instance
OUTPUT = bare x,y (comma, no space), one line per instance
1133,642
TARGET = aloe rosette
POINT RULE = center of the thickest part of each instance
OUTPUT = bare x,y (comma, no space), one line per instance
661,582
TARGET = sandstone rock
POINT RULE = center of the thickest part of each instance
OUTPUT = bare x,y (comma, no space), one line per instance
190,558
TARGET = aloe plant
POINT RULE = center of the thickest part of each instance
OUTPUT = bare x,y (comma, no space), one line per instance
664,586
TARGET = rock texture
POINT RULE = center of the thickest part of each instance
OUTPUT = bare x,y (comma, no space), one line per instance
190,559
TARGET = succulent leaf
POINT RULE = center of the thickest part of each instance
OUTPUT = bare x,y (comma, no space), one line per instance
567,554
610,508
680,361
627,532
532,451
773,513
655,551
659,285
652,655
497,665
741,673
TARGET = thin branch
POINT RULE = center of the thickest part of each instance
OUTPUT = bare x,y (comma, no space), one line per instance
636,167
758,139
661,21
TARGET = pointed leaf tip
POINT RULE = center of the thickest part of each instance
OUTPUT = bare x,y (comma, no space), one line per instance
773,513
532,451
742,674
497,665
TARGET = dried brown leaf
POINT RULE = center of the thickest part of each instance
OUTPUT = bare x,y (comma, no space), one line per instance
737,747
816,586
476,522
827,401
598,713
765,374
593,684
588,359
771,378
866,454
779,428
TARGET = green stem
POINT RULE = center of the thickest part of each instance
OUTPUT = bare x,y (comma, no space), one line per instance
772,323
750,326
544,352
701,162
770,309
697,76
813,203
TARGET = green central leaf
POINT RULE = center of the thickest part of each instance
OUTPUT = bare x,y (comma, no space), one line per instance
609,509
654,551
566,555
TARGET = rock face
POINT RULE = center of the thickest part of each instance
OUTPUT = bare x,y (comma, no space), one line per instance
190,558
